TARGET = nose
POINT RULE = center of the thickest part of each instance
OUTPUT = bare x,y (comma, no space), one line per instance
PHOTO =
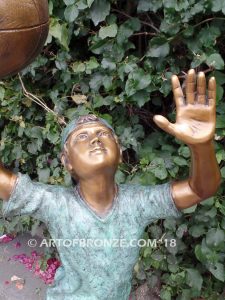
95,140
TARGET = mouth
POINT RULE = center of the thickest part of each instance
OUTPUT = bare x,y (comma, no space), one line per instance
98,150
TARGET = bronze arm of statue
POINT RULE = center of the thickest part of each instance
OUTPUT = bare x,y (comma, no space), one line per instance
195,126
7,182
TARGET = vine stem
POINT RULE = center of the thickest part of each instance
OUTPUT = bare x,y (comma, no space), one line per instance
145,33
196,25
142,22
207,20
39,102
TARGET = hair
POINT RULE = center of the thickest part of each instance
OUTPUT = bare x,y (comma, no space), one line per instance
86,119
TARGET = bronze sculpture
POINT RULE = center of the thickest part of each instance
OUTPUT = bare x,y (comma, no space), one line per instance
99,208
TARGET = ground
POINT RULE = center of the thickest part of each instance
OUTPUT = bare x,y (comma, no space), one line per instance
33,287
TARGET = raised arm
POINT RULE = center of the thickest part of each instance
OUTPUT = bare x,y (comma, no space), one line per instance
7,182
195,126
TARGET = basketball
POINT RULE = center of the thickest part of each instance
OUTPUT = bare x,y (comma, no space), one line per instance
23,31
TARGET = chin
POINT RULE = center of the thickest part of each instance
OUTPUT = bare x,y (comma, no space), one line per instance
97,168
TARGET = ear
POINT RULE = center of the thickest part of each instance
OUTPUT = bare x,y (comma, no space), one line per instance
121,155
65,162
120,149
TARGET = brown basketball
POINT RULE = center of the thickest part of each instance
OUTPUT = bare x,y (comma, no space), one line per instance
23,31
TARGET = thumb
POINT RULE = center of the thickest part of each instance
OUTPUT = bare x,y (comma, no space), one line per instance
164,124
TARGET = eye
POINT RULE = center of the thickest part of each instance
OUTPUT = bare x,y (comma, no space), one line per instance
104,134
81,137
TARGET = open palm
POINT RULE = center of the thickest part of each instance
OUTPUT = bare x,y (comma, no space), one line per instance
196,116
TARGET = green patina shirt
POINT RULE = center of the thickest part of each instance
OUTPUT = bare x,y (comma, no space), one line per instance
94,271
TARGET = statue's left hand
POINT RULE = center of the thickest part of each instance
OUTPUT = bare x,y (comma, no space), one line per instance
196,114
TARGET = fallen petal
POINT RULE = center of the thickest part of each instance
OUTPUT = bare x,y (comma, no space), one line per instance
20,286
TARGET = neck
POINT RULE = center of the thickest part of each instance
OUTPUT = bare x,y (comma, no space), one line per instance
98,192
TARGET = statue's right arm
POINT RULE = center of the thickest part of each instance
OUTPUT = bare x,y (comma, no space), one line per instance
7,182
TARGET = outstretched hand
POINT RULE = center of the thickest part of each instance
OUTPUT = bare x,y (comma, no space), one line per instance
196,113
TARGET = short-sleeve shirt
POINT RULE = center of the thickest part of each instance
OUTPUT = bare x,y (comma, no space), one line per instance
99,254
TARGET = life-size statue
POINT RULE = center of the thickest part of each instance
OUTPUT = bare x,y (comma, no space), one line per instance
98,209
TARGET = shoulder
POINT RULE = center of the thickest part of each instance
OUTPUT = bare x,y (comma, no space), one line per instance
134,188
141,192
25,183
133,191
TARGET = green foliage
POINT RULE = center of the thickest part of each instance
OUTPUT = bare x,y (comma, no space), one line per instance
115,59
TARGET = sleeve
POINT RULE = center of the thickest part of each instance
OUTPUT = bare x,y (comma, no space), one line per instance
156,202
30,198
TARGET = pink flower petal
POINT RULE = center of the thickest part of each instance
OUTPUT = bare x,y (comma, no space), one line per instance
17,245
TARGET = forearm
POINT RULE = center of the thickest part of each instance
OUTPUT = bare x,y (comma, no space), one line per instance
204,177
7,182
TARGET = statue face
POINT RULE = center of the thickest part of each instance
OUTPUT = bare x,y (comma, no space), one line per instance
92,149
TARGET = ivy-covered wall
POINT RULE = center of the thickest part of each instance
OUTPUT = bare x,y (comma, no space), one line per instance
115,59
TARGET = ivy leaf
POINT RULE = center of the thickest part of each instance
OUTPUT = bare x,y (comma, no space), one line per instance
208,202
146,5
180,161
201,256
181,230
91,65
78,67
217,269
69,2
98,45
157,167
208,35
218,5
89,2
165,295
198,60
215,60
108,31
32,147
197,230
43,175
220,122
215,237
194,279
223,172
107,63
184,151
220,77
71,13
60,32
120,177
96,81
190,209
140,97
127,29
99,10
136,81
219,93
186,294
2,93
158,47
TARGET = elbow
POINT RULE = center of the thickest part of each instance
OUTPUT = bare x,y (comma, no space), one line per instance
210,190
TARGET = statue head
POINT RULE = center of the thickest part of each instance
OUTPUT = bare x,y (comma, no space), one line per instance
90,147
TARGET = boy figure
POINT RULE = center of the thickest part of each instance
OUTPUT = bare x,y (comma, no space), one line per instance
99,210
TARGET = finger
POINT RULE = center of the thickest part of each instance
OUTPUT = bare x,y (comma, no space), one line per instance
201,88
177,91
190,86
212,91
164,124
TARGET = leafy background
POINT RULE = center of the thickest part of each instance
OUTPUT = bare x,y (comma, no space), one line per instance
115,59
